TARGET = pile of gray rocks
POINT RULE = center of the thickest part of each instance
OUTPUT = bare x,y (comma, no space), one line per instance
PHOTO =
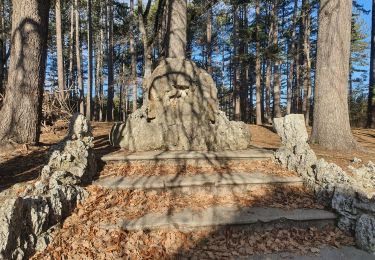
27,220
351,194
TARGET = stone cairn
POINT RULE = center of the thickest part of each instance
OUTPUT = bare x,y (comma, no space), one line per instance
181,113
350,194
27,221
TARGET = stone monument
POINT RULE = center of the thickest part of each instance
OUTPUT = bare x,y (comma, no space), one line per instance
182,109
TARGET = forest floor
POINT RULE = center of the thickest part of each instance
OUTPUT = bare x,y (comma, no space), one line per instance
80,236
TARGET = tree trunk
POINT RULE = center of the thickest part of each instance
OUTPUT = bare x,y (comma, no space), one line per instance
306,60
71,51
2,50
133,69
89,50
258,71
371,90
235,68
209,40
176,29
78,55
292,50
60,55
276,68
244,81
101,63
110,62
331,127
21,113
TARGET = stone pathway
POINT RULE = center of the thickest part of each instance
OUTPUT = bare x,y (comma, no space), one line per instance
250,154
224,216
345,253
177,181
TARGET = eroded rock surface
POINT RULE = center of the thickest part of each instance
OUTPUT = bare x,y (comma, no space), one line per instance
26,222
350,194
181,114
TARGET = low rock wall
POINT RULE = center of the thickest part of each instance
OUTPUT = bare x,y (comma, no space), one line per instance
27,221
351,194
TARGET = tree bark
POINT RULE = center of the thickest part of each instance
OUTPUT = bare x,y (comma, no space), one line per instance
306,60
209,40
133,69
89,50
21,113
176,28
331,128
2,51
71,51
258,71
276,68
110,62
235,68
292,50
244,81
371,90
60,55
78,55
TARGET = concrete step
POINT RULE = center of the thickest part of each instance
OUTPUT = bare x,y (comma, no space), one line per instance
197,180
327,253
216,216
189,156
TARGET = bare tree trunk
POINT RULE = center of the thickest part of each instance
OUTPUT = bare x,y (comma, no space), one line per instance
176,31
78,55
126,94
97,78
292,50
133,69
331,126
306,60
60,55
71,50
110,62
276,73
101,62
209,40
2,50
244,81
21,113
89,50
371,90
258,71
235,68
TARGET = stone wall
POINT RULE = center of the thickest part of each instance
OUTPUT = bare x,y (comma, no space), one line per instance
27,221
351,194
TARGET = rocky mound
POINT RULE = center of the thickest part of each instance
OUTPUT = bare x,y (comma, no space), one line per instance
182,113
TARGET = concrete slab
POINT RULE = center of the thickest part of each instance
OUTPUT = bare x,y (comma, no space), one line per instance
222,216
250,154
178,181
327,253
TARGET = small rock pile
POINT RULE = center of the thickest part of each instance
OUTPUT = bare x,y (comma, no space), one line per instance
27,221
350,194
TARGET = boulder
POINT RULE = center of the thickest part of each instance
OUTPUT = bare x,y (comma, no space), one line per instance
11,223
291,129
181,114
365,233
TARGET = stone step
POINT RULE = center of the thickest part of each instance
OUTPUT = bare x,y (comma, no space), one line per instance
326,253
197,180
265,218
183,156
